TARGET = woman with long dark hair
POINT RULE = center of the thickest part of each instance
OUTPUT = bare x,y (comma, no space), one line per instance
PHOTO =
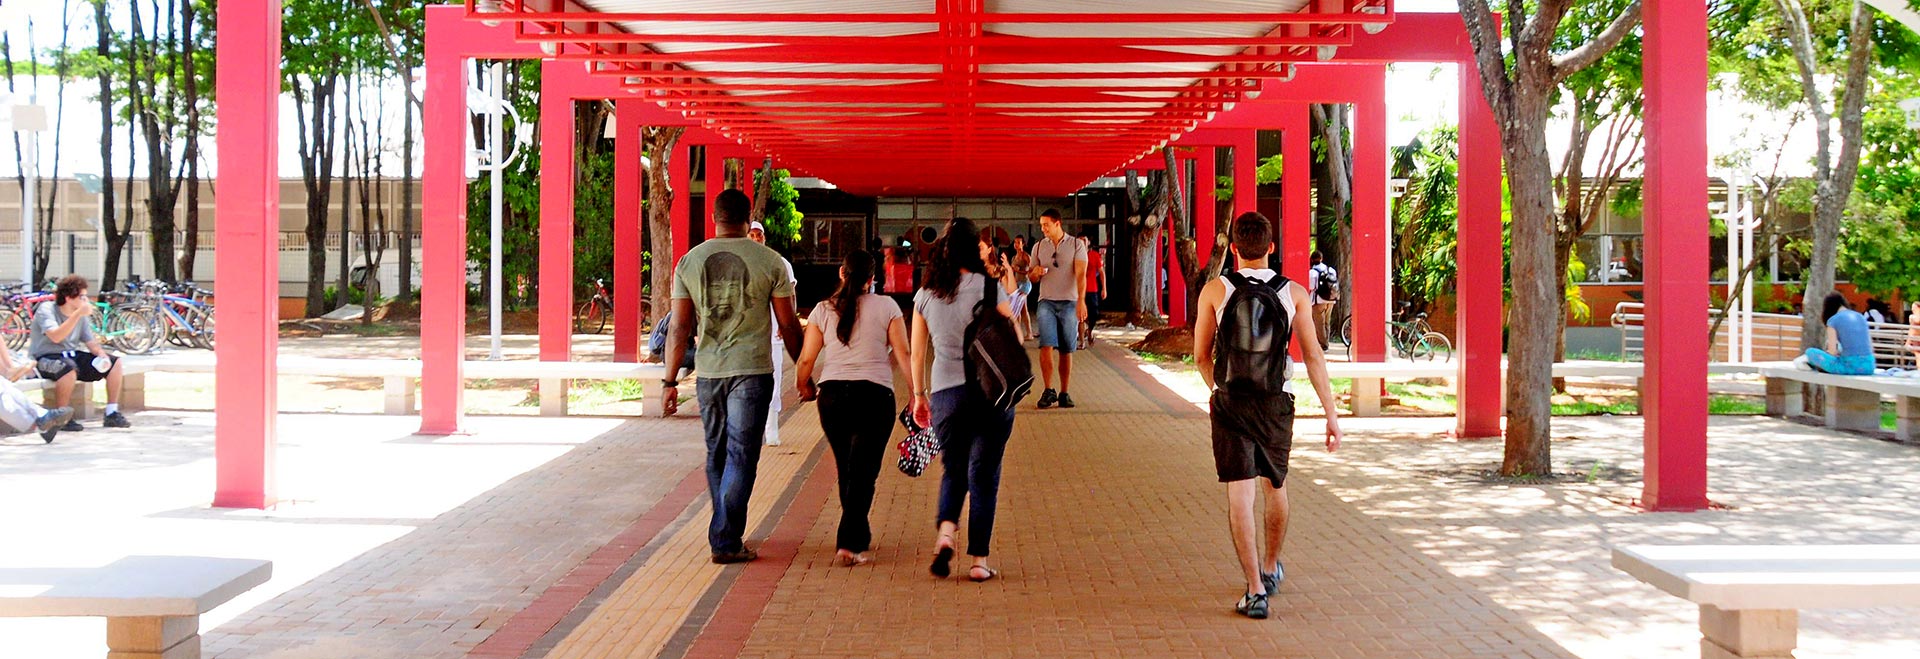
854,338
973,433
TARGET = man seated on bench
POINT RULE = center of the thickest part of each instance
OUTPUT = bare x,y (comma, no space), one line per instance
19,412
1846,334
66,351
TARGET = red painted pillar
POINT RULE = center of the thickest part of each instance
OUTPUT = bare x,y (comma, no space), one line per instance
1676,232
248,84
1176,278
1477,293
556,215
1296,190
716,183
626,230
680,177
1246,163
1369,270
1205,209
443,212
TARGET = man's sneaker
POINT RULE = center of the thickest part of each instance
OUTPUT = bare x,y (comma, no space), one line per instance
117,420
72,426
1066,400
1048,398
49,422
728,558
1252,606
1271,580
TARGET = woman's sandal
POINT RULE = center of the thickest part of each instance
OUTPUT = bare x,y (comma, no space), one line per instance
942,560
852,559
991,573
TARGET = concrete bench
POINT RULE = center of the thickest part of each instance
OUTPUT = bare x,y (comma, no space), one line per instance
401,376
1368,376
1853,401
1750,597
152,604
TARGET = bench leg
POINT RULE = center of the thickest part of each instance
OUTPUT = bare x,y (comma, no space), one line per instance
1853,409
1784,398
153,638
400,390
553,397
1366,396
1748,633
1906,418
650,397
133,392
82,400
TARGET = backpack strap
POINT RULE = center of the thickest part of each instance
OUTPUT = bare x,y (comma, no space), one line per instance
987,299
1238,280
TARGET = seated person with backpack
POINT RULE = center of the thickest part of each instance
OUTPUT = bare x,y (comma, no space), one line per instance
657,346
1241,333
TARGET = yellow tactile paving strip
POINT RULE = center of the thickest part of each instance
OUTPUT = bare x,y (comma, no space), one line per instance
639,618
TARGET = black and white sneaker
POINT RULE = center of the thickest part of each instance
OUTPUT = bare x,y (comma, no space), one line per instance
117,420
1271,580
1252,606
1066,400
49,423
73,425
1048,398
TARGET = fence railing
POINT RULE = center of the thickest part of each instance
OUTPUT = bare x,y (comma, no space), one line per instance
1775,337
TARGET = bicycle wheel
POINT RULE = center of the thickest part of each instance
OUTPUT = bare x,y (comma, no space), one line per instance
135,330
200,319
1346,331
592,318
1441,345
1418,349
14,326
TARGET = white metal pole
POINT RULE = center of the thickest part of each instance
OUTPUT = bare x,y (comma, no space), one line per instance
1751,224
30,170
1732,220
494,121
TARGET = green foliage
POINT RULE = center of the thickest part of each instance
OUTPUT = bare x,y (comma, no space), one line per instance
1425,218
782,218
1576,301
593,220
520,199
1268,171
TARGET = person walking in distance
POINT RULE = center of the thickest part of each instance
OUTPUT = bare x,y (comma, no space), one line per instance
972,431
1096,286
854,339
1324,281
1240,337
758,232
733,290
1060,270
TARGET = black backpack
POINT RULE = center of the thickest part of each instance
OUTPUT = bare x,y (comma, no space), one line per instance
1329,288
1250,346
996,362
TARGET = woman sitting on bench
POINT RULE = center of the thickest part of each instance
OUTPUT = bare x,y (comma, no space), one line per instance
1846,334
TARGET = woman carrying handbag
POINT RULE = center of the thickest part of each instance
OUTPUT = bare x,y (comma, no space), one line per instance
972,430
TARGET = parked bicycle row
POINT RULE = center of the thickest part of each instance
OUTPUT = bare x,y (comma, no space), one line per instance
138,319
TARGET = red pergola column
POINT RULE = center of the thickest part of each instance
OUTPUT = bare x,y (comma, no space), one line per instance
627,220
1205,209
1372,285
716,182
1296,190
680,176
556,214
245,403
443,205
1246,163
1676,232
1477,294
1177,280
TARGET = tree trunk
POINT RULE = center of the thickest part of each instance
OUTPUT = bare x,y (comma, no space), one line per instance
1146,220
1536,285
762,189
108,222
191,151
406,209
316,136
660,215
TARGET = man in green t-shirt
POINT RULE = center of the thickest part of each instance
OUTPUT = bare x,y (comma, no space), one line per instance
734,289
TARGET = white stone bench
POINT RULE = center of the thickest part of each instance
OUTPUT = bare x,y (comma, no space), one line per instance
1853,401
152,604
1368,376
401,376
1750,597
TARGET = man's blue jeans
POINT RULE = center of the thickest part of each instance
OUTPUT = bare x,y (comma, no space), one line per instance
734,413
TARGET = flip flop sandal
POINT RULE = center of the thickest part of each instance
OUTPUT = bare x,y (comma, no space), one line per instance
942,563
991,573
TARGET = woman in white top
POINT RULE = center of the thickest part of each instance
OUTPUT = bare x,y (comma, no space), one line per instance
853,341
973,433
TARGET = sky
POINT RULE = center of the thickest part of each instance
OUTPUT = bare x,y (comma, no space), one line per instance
1420,96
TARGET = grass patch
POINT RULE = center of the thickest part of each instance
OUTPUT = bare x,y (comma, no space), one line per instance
605,391
1594,408
1734,405
1591,355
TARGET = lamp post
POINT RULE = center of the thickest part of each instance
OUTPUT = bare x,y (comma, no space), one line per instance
92,184
32,120
493,105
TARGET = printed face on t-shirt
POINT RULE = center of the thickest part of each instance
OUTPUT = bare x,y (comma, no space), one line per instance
726,277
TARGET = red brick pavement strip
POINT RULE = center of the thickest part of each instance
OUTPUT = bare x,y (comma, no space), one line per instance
526,627
727,630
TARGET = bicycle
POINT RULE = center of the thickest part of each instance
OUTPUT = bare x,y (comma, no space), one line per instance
181,313
592,315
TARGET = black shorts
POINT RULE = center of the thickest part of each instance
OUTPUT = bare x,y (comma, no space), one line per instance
1252,436
58,365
